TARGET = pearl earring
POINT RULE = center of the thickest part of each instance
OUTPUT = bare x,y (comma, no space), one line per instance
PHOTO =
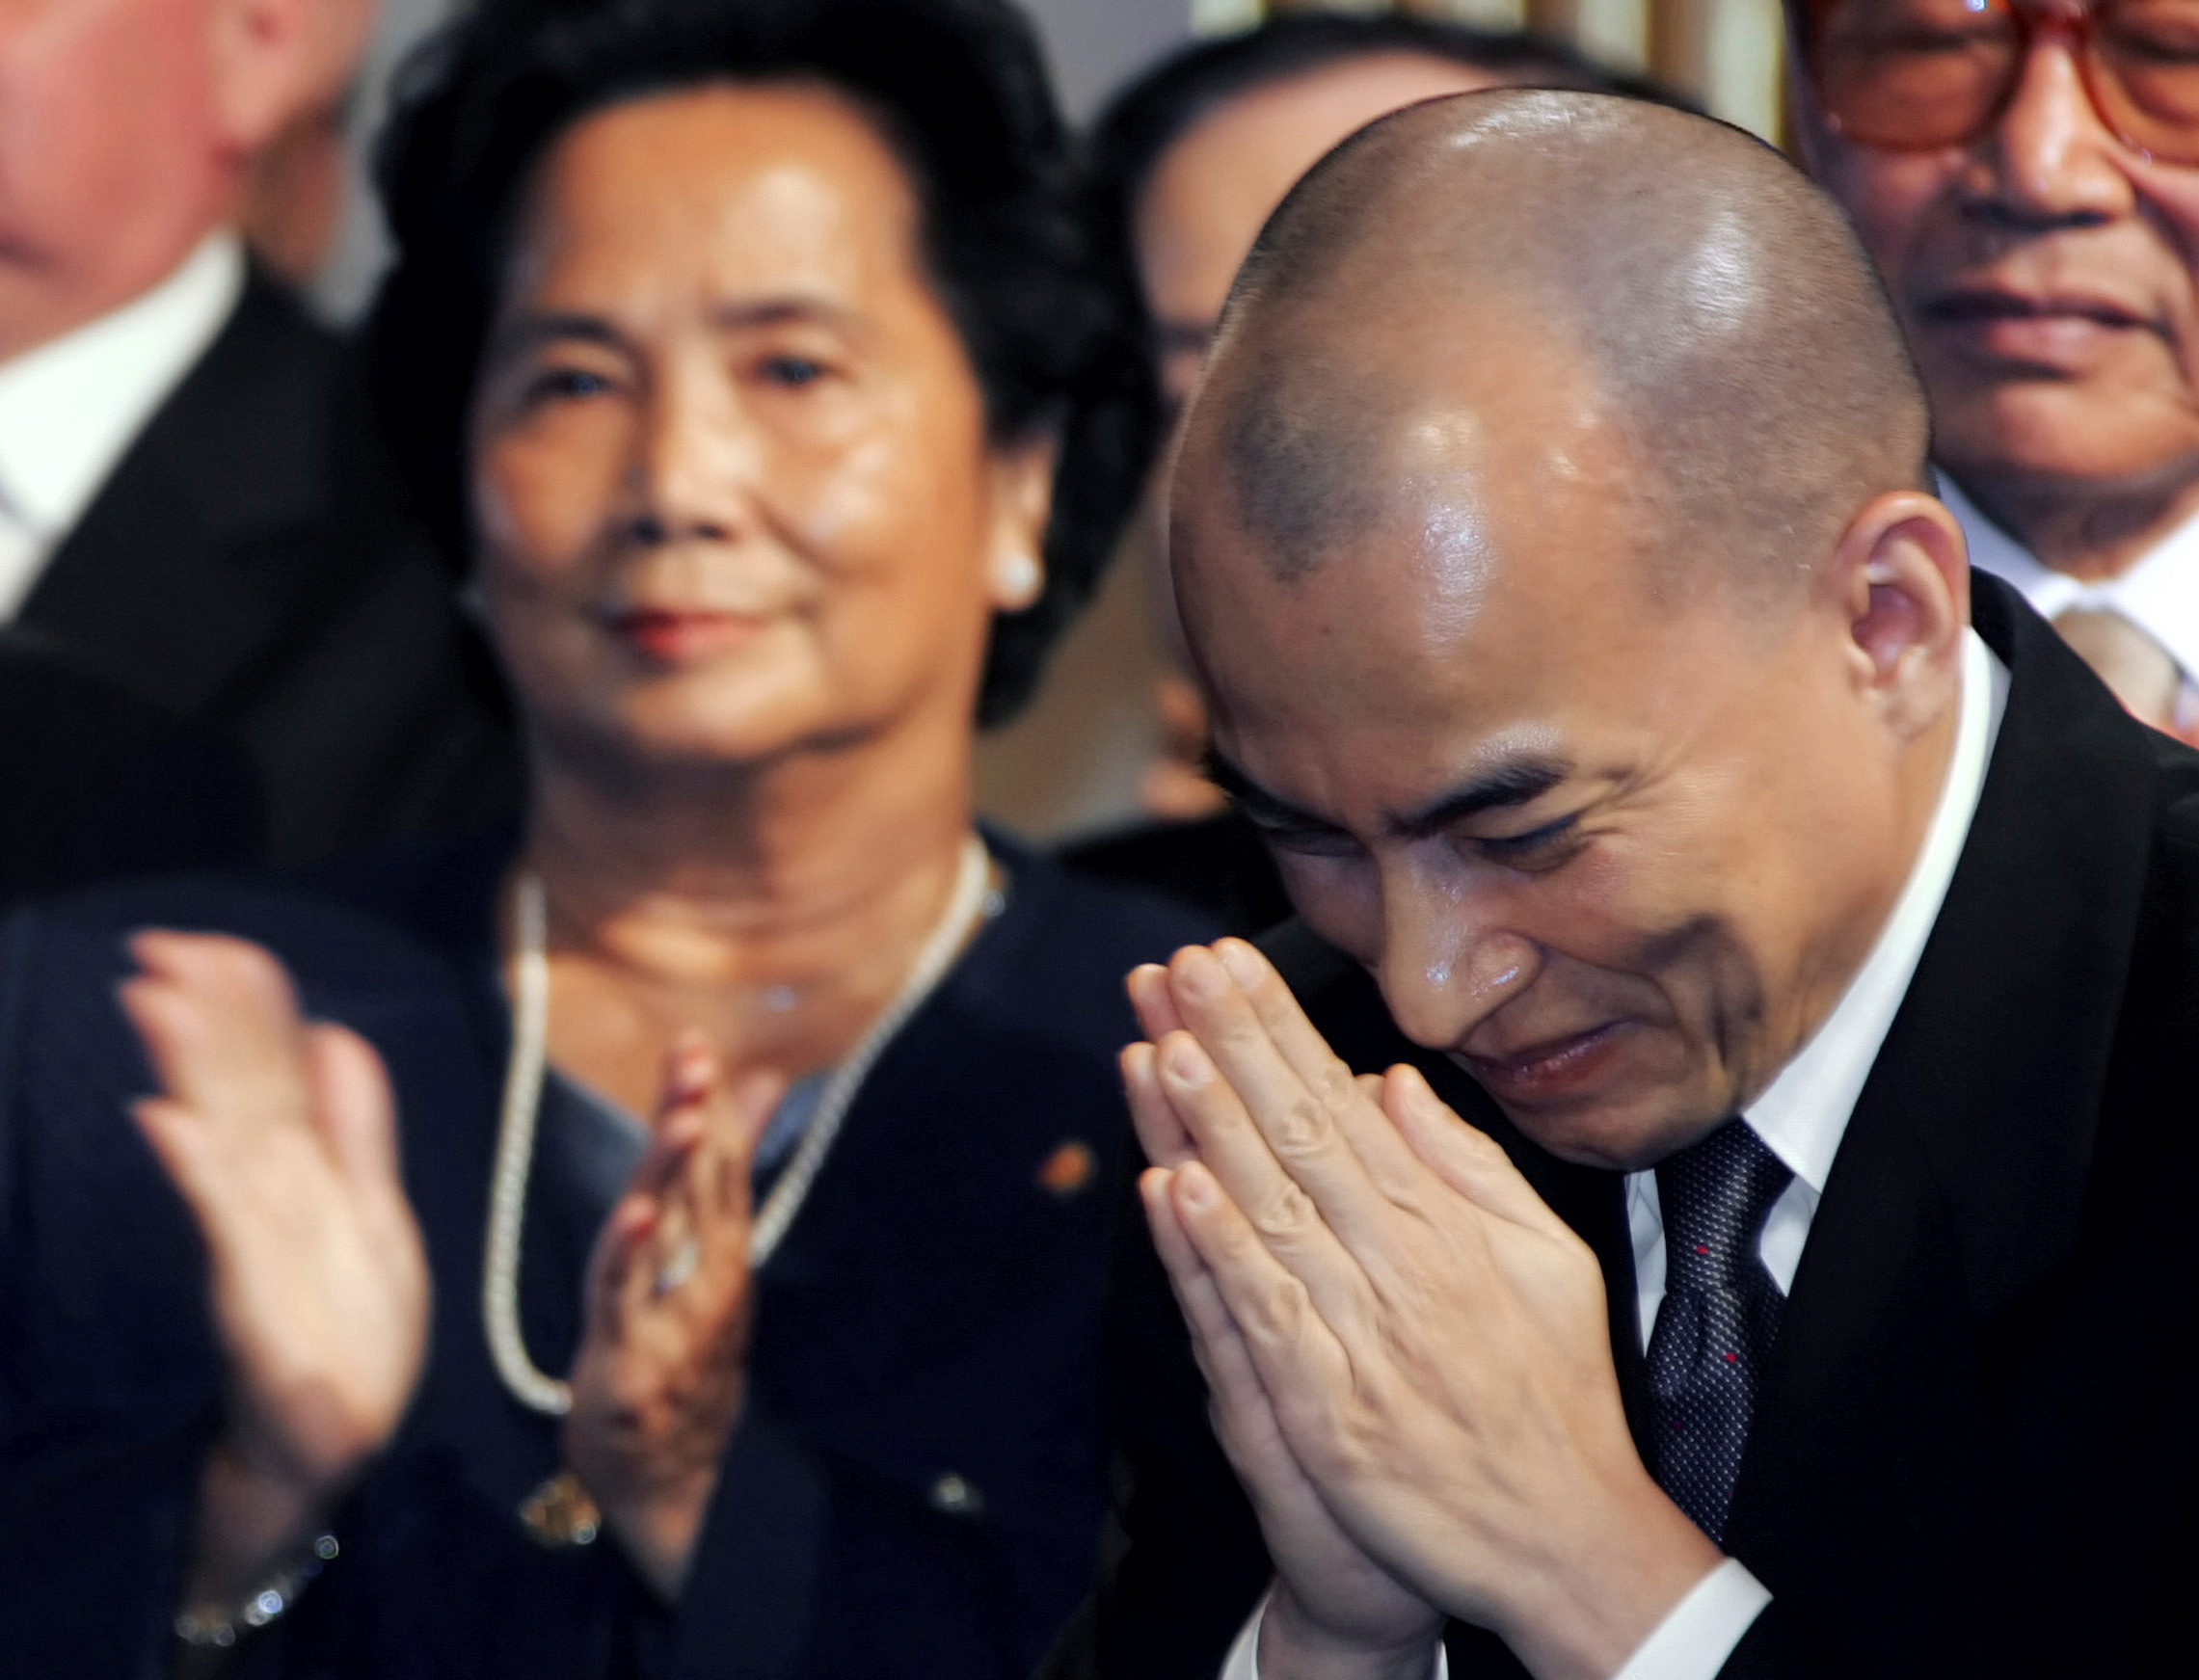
1019,579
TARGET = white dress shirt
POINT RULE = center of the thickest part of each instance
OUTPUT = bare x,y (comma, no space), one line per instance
1801,1117
70,408
2160,594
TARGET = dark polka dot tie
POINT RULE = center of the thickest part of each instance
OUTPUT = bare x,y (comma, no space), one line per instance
1719,1319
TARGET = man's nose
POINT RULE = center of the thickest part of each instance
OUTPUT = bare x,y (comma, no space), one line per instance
2049,161
1447,962
695,463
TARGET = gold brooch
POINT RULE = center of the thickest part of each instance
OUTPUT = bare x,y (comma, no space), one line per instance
1068,1169
560,1514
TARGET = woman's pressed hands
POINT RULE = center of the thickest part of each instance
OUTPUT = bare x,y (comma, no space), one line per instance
280,1136
1409,1353
660,1376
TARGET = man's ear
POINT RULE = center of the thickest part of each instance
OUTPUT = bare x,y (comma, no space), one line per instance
1903,576
1023,505
276,60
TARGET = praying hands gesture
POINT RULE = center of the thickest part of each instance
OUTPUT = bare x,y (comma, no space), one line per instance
1407,1352
661,1373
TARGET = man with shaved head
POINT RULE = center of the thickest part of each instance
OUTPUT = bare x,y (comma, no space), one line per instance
1752,1244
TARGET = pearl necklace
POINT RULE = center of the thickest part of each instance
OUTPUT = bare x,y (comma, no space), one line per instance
973,898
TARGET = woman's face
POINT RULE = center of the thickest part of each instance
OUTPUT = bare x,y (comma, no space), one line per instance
731,473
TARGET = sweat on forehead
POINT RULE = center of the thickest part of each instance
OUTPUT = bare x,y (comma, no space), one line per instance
1745,350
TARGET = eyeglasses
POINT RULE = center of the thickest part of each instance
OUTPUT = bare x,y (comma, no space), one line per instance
1917,75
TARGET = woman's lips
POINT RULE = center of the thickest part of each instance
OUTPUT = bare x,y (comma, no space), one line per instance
1557,1067
678,636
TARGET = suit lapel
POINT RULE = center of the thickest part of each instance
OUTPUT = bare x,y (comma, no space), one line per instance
146,591
1959,1184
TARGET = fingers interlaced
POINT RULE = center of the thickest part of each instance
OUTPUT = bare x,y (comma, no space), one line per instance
1242,1414
677,1248
1305,1122
1353,1102
1290,1319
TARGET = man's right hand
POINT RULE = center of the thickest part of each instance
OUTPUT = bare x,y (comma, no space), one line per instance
281,1138
1331,1605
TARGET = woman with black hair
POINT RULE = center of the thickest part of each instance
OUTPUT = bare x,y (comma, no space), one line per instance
756,1111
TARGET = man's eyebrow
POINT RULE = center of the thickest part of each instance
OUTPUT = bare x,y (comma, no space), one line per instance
1255,801
1519,780
1516,781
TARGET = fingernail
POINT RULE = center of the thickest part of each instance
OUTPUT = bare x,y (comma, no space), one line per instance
1237,958
1198,1186
1196,972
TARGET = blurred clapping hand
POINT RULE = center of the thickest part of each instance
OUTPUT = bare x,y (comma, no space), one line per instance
281,1134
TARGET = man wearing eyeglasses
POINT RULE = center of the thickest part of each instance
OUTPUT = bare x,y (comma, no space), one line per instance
2027,176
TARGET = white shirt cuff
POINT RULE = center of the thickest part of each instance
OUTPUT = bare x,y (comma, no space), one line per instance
1698,1634
1244,1662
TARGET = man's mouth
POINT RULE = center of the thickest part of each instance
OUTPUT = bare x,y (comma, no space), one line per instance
1552,1068
2046,328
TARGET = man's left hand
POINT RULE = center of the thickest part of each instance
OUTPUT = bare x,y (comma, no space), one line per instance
1431,1339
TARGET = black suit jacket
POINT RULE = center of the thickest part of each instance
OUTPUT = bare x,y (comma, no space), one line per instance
250,563
1218,864
1977,1446
95,783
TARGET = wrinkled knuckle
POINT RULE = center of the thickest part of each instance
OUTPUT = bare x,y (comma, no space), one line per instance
1337,1083
1286,1307
1302,1128
1236,1032
1283,1214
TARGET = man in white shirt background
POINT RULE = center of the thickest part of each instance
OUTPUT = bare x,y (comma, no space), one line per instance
1807,927
2027,178
194,502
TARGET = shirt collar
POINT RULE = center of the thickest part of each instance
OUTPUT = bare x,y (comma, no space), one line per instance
2160,594
72,408
1803,1115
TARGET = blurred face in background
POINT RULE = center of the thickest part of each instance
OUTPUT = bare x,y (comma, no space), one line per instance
734,486
1192,224
126,126
1213,188
2027,182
